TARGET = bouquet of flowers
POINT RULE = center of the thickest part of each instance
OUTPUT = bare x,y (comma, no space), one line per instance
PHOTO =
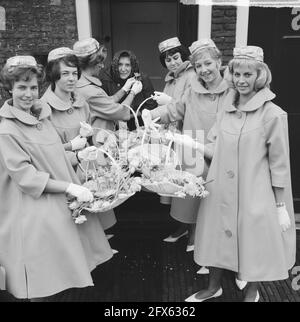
174,183
111,184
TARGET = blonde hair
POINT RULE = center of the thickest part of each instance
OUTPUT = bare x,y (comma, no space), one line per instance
264,76
213,52
93,59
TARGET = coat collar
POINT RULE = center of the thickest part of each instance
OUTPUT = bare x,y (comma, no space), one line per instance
9,111
56,103
182,68
87,80
199,88
258,100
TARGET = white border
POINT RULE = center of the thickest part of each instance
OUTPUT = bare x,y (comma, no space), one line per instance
83,18
242,21
204,20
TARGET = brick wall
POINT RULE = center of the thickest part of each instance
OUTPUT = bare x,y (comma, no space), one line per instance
36,26
223,29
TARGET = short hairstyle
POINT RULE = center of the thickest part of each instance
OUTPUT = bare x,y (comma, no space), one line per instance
10,75
184,53
53,68
93,59
264,75
213,52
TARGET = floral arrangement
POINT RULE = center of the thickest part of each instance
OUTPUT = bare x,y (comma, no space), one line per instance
175,183
110,182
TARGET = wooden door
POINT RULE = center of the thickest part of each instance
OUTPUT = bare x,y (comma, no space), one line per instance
140,26
277,31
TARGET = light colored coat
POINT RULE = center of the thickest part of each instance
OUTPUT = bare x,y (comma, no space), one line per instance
237,226
104,111
66,119
41,248
177,83
198,109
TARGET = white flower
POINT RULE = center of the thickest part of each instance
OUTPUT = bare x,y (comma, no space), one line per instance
73,205
80,219
85,129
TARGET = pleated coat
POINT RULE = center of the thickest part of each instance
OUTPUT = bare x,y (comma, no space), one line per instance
237,226
41,248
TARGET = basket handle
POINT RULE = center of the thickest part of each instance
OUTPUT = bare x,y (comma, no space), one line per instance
133,113
144,101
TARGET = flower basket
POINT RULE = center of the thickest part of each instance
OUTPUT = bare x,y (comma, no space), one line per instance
175,183
102,206
111,184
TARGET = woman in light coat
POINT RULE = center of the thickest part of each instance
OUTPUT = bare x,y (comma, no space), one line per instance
198,109
174,57
105,110
69,108
246,224
42,250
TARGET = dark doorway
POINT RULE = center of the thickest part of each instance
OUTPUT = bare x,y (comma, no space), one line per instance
140,26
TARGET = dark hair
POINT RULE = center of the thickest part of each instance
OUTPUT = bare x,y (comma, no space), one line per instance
53,68
184,53
135,68
93,59
10,75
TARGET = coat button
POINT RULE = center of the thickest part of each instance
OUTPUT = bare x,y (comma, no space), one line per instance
39,126
228,233
239,114
70,110
230,174
212,97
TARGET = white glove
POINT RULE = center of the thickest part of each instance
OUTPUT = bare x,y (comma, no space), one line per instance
88,154
147,119
137,87
161,98
283,218
82,194
85,129
78,143
127,86
185,140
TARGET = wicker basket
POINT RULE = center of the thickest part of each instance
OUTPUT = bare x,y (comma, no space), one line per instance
115,203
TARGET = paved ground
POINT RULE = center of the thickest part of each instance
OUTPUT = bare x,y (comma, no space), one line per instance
148,270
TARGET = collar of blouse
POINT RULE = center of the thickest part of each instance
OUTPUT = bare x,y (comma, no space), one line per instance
57,104
88,80
182,68
11,112
258,100
199,88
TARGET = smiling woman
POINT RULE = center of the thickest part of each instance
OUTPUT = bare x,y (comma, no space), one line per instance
124,67
34,203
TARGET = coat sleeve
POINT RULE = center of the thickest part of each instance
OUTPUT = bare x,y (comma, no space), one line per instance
17,163
212,138
172,112
103,106
276,133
